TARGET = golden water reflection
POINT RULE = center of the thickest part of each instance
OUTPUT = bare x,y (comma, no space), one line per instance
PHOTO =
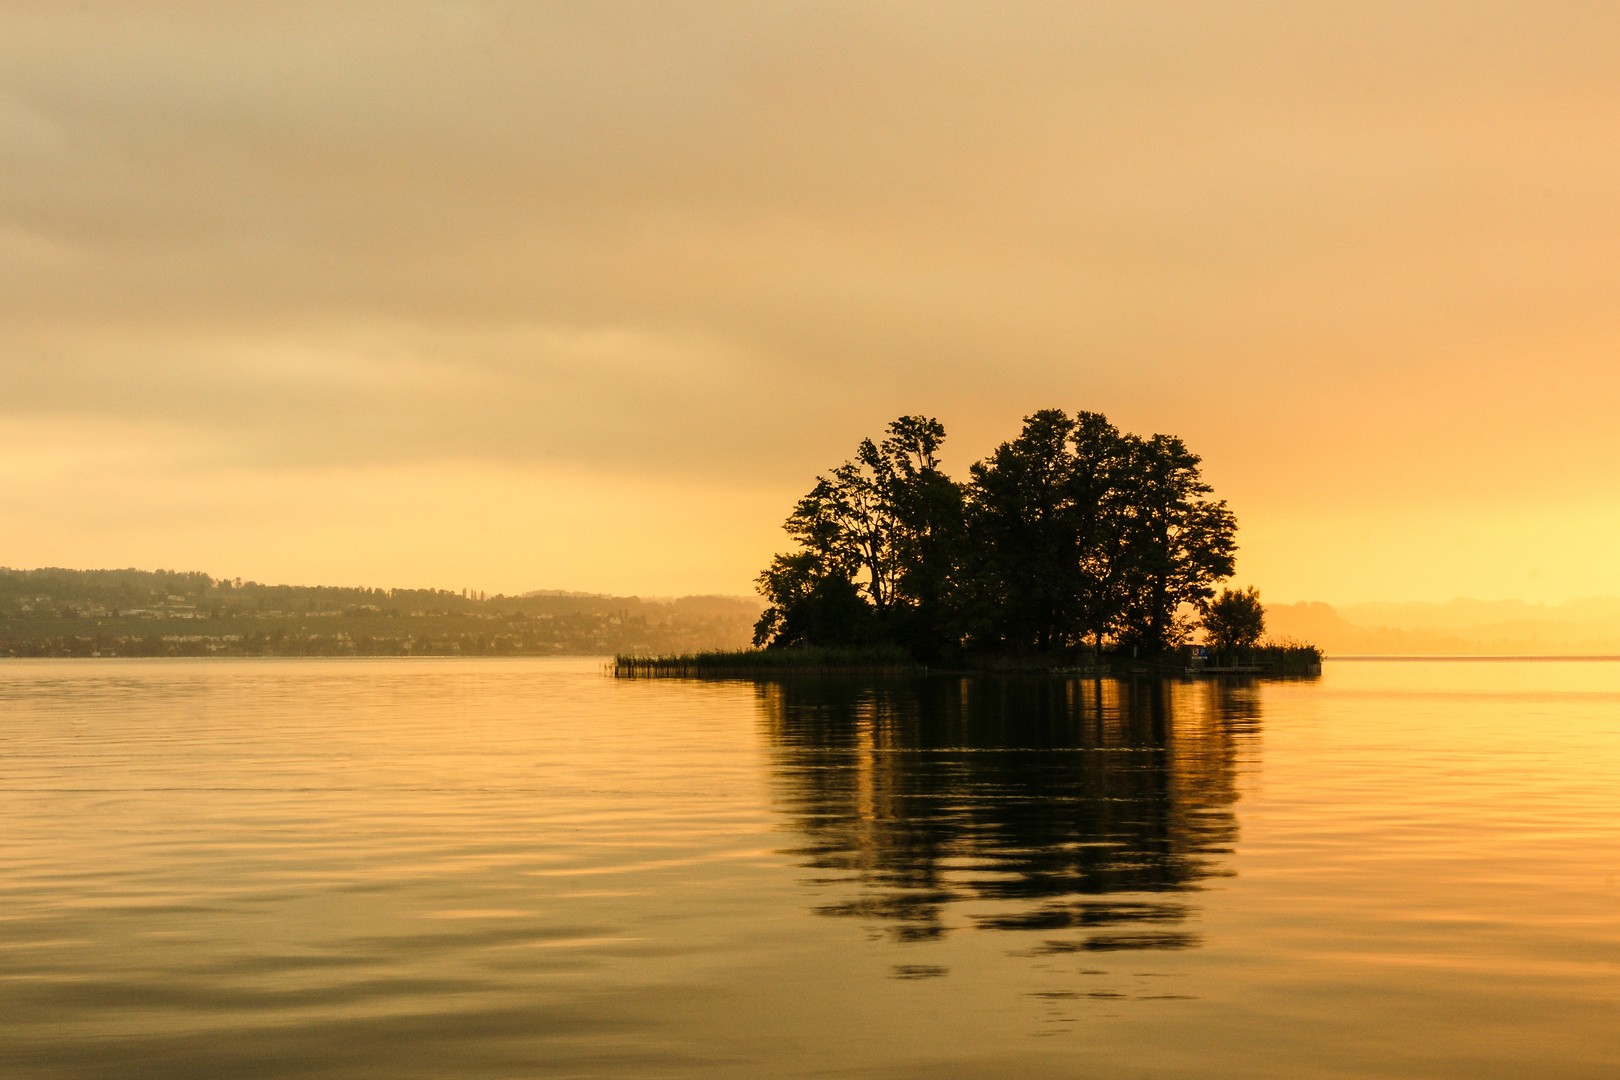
1086,814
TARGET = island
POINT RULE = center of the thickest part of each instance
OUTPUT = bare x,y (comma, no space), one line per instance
1073,548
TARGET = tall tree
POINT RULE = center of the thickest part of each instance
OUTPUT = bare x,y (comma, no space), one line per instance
884,522
928,535
1102,496
1177,544
1026,536
1050,511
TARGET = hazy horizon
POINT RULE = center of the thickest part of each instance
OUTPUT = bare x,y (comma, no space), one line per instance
1448,612
750,594
55,612
582,297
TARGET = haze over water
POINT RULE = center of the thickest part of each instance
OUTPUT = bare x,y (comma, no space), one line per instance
501,868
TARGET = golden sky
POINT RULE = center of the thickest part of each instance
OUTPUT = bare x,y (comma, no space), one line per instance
568,295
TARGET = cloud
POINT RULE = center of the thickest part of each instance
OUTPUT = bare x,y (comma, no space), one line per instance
1355,256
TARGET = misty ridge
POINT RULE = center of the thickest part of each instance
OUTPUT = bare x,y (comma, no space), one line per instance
1460,627
55,612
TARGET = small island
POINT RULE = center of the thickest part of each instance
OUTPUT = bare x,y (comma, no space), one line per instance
1075,548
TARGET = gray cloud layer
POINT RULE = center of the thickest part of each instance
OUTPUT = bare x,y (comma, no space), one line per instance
732,238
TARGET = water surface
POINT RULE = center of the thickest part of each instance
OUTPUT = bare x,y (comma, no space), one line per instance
440,868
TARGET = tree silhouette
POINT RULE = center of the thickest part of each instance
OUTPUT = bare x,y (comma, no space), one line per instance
881,528
1236,620
1177,545
1069,534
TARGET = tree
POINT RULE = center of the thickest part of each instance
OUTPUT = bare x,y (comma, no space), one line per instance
1236,620
1177,544
1069,534
1050,511
880,528
1026,537
927,515
810,605
1103,492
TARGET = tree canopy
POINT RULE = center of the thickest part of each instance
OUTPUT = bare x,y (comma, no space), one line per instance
1071,534
1236,620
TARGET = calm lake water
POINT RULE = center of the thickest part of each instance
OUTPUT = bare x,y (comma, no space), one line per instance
448,869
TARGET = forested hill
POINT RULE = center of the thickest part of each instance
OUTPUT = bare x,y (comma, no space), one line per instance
53,612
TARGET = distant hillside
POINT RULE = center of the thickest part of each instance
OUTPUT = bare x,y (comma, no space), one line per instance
1587,627
53,612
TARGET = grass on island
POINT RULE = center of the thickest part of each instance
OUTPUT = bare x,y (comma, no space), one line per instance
1271,657
885,660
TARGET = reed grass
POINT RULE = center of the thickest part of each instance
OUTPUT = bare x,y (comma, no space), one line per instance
1272,657
751,663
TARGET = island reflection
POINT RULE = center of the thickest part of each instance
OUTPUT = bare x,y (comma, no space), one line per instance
1081,810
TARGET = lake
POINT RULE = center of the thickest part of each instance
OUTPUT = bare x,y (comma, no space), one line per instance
524,868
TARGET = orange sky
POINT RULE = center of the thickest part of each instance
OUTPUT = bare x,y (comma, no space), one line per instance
511,296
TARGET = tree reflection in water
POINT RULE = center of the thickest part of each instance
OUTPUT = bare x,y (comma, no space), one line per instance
1082,809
